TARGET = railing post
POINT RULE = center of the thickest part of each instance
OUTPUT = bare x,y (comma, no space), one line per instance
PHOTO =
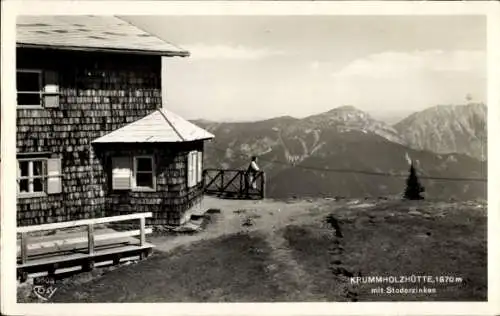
143,230
90,234
203,180
263,186
24,248
247,184
221,181
242,175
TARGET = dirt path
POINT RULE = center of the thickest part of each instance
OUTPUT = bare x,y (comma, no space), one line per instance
268,217
243,215
292,271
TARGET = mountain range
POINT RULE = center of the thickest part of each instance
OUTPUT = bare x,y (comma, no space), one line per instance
346,152
448,129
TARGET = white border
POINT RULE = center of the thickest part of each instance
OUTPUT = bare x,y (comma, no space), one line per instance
11,8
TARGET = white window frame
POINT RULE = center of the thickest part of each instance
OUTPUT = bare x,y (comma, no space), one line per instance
31,177
135,187
199,166
196,173
40,90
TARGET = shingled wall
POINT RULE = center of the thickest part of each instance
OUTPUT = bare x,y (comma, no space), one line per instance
99,93
172,196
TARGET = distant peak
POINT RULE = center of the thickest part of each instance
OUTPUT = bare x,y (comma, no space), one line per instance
348,112
286,118
346,108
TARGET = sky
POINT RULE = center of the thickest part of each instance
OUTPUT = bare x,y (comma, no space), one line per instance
245,68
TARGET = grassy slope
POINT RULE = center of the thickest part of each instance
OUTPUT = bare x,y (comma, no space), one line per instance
390,242
228,269
313,262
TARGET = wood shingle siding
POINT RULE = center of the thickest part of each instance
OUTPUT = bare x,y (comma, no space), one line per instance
98,93
172,196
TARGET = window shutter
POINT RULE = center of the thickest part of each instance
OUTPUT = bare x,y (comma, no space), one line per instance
122,173
195,164
190,170
18,175
51,89
200,167
54,176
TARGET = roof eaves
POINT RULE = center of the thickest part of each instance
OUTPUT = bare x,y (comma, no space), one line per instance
154,35
108,50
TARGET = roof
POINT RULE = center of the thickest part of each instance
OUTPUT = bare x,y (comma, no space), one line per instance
161,126
90,33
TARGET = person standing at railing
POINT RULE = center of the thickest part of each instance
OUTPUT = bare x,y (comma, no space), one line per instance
252,170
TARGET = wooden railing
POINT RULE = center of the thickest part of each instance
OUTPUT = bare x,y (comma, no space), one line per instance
233,183
90,238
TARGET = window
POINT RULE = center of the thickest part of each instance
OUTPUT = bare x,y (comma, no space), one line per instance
37,88
29,88
133,173
38,176
195,168
32,176
144,172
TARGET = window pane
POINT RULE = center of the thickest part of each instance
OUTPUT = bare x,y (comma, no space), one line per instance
24,186
23,166
38,167
28,81
144,180
28,99
38,185
144,164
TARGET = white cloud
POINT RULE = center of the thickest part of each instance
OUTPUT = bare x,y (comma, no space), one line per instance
398,64
314,65
392,80
203,51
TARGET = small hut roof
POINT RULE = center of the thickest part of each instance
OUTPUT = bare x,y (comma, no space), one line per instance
161,126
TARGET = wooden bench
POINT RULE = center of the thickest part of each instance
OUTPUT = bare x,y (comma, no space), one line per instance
80,248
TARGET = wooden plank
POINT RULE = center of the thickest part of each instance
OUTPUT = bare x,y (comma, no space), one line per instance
143,235
24,247
227,170
77,240
77,267
91,239
80,248
80,256
83,222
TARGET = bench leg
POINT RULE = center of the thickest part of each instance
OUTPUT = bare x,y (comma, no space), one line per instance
146,253
23,276
52,271
88,266
116,260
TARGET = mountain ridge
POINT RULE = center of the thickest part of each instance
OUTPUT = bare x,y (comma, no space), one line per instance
448,129
343,138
